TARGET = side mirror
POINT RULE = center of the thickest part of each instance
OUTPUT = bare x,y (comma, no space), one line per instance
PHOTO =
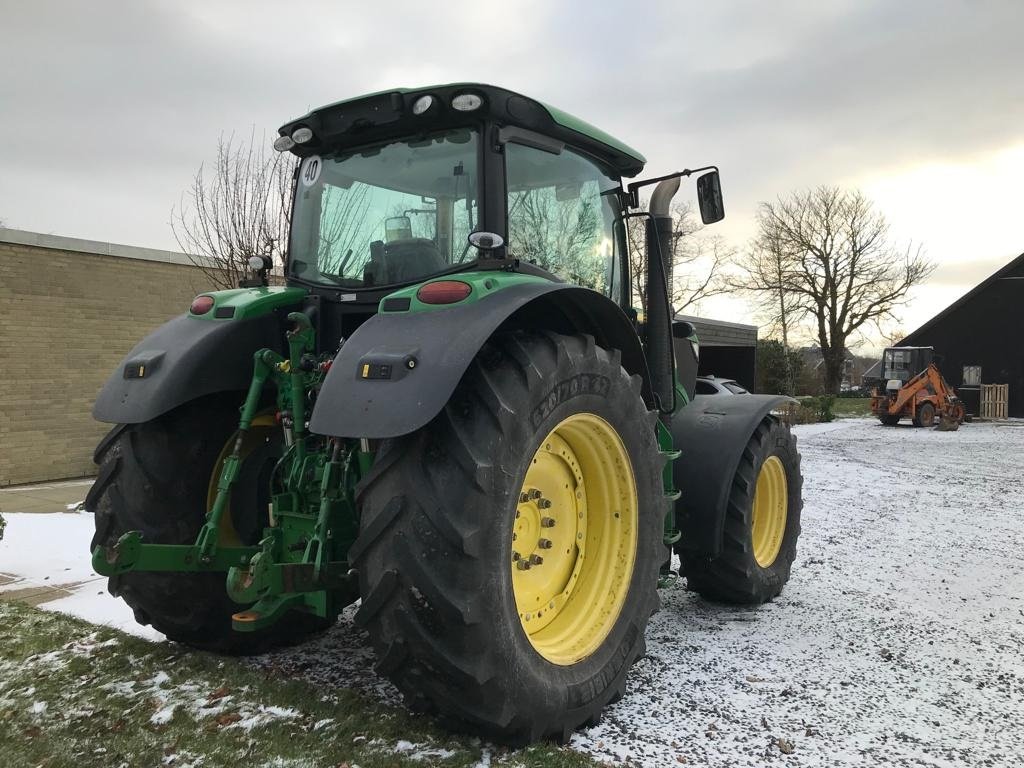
485,241
709,195
682,329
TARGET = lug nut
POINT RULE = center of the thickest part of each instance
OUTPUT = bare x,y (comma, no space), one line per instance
523,565
544,503
547,522
535,494
536,560
523,498
515,555
544,544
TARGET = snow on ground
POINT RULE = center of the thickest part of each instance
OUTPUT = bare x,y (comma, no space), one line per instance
51,550
899,640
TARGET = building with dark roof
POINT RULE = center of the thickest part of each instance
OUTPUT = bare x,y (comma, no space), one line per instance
982,329
727,349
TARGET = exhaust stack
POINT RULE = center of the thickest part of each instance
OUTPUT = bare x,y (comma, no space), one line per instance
658,332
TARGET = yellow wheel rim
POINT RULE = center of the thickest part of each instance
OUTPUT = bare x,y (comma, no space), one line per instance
574,539
771,502
263,426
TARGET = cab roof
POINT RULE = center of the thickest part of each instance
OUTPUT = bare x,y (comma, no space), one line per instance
387,114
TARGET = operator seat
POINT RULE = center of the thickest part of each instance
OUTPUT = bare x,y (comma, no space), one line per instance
412,258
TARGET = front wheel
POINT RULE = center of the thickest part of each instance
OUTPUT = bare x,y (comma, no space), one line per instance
509,551
925,415
762,523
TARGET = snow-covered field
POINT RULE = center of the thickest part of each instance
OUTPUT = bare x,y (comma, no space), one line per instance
899,640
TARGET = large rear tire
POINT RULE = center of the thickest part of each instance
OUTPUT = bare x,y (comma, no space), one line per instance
762,523
509,550
155,477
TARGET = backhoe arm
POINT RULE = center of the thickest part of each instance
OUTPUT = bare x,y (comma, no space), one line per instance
908,391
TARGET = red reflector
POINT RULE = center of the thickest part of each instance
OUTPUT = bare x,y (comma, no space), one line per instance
201,305
444,292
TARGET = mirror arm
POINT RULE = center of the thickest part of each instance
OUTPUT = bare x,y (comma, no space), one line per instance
633,190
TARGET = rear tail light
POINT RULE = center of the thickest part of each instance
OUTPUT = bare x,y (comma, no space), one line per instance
444,292
201,305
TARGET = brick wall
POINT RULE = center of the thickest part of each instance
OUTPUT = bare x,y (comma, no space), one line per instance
69,311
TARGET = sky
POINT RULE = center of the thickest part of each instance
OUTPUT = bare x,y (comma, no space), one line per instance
109,107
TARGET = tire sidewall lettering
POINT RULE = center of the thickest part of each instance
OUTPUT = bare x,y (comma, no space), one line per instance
567,389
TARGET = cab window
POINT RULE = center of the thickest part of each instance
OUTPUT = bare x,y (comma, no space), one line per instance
384,215
564,217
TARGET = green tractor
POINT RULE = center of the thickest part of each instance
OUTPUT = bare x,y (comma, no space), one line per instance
451,413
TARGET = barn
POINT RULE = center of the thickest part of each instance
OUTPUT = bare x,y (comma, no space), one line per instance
978,338
727,349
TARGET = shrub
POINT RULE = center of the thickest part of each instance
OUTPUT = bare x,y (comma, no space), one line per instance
824,408
810,410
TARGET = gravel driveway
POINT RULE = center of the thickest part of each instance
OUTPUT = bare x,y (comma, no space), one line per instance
899,640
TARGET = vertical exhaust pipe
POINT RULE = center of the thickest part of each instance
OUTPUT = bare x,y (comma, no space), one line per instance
658,326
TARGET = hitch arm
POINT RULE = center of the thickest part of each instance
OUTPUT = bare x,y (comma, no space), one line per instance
128,553
264,364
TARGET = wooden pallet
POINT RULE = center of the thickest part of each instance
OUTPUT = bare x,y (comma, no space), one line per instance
994,400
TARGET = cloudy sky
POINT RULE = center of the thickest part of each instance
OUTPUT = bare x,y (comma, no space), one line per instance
109,107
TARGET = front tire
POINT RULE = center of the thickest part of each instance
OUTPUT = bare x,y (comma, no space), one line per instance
452,514
762,523
925,415
155,477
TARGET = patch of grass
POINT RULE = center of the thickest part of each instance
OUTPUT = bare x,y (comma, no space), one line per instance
73,694
840,407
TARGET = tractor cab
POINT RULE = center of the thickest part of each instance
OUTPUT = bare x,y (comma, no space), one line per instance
399,187
390,187
901,364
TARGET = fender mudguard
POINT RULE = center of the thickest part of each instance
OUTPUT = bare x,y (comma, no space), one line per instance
183,359
397,371
711,432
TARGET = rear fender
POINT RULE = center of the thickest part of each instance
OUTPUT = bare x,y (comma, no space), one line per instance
397,371
185,358
712,432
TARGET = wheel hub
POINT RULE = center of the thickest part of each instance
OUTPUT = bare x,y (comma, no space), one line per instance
574,539
771,503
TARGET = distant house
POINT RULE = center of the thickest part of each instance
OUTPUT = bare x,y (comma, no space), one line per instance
979,338
854,367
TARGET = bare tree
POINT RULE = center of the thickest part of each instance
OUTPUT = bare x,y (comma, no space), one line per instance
557,235
343,226
766,276
825,258
698,260
891,335
239,210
